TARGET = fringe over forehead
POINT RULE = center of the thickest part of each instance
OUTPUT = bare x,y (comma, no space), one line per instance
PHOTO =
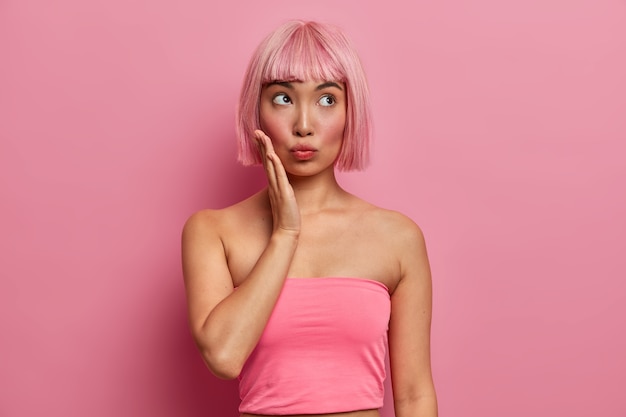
300,53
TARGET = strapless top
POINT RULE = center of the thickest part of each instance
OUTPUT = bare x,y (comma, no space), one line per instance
322,351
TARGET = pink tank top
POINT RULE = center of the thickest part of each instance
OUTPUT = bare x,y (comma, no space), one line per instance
322,351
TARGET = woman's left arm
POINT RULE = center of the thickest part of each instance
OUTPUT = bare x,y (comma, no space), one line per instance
409,329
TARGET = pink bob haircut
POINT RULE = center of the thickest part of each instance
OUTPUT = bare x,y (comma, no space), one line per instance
304,51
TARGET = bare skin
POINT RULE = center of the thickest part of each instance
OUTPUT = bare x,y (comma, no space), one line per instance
304,225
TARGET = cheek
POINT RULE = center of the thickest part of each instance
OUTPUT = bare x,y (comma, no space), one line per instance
262,119
270,124
336,126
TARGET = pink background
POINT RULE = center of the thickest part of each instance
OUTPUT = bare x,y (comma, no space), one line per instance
501,130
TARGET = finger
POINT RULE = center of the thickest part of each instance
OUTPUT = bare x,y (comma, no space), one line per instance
268,144
281,175
267,156
260,142
258,136
265,141
282,181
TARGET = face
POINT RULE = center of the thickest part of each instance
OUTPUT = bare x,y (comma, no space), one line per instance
306,121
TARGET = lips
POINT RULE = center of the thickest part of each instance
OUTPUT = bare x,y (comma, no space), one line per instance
303,152
302,148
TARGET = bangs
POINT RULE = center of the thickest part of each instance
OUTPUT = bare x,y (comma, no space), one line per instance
303,56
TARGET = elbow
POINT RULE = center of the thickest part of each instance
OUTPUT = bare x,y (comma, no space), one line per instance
223,360
224,370
423,405
223,365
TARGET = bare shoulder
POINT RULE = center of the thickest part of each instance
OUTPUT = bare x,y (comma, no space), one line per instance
202,235
393,226
217,222
202,228
399,241
203,221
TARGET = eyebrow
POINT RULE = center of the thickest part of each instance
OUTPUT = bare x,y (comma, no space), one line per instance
288,85
328,84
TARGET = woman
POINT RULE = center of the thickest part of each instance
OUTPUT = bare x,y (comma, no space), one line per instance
299,289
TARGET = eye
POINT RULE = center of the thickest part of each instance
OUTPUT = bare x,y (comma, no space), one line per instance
281,99
327,100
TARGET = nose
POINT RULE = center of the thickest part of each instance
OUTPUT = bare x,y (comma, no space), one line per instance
303,124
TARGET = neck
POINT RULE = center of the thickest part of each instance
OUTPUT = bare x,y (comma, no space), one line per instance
318,192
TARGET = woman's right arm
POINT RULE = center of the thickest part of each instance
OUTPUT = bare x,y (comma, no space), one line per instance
227,324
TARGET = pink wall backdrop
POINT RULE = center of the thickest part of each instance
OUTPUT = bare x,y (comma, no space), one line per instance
501,130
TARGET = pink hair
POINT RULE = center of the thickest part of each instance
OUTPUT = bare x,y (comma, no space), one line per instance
301,50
